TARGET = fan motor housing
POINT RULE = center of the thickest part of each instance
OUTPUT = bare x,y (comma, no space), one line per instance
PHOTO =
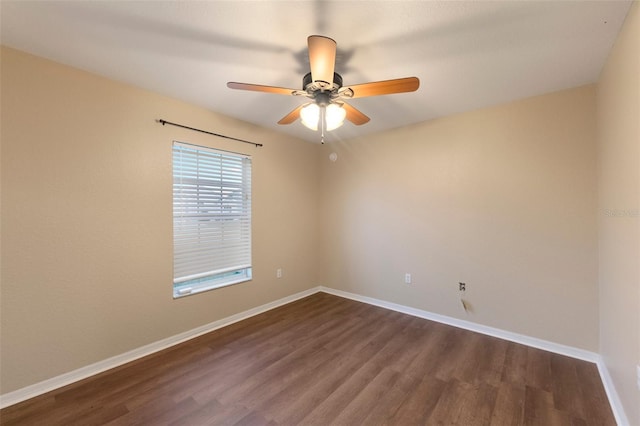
337,81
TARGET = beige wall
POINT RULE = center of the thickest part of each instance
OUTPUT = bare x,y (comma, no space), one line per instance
503,199
86,219
619,212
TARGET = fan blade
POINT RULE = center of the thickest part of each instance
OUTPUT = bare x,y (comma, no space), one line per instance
354,115
292,116
260,88
387,87
322,58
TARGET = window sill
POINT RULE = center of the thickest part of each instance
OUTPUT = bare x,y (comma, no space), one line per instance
179,293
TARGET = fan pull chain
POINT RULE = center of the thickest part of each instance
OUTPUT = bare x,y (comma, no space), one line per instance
323,123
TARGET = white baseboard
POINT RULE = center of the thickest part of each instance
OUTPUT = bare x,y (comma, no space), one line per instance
614,400
472,326
612,394
109,363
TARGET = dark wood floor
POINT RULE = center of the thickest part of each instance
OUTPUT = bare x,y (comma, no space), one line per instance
327,360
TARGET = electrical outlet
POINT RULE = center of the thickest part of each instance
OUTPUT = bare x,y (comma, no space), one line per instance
407,278
279,273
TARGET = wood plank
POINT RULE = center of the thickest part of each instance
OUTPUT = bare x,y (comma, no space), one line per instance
596,404
509,406
419,404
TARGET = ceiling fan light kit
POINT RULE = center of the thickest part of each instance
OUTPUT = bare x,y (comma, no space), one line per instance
328,109
334,116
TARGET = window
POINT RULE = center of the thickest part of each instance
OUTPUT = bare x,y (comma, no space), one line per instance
211,219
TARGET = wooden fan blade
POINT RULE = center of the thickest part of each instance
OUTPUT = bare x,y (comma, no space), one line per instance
322,58
387,87
354,115
260,88
292,116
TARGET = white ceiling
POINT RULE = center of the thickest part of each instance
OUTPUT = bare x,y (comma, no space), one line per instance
467,54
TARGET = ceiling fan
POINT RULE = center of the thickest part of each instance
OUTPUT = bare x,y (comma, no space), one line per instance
327,108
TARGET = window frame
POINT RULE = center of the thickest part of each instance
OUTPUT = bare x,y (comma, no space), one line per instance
212,220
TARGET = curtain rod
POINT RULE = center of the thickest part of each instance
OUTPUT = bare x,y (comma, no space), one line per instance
163,122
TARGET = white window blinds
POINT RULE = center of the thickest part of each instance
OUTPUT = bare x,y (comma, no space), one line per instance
211,218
